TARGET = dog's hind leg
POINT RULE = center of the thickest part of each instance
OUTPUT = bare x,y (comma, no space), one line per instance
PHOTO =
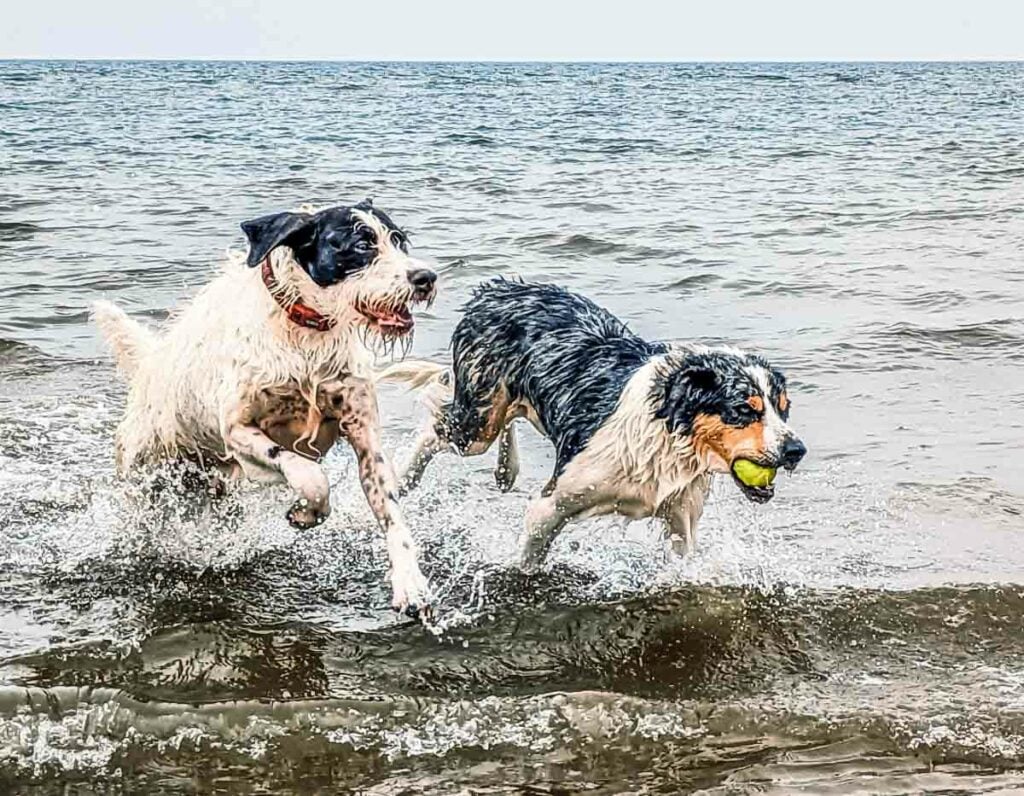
428,445
507,469
436,383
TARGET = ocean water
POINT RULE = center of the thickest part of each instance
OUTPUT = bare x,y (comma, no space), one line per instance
860,225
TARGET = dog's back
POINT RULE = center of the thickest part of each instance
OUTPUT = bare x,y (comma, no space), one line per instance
553,353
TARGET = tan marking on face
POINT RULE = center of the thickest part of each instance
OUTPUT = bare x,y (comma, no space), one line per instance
756,403
783,402
723,444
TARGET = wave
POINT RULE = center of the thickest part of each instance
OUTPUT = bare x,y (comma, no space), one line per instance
20,77
699,642
468,139
995,338
13,231
533,743
580,244
14,352
577,243
764,76
798,153
694,282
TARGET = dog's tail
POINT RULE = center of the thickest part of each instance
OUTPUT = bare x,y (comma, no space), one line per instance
128,339
433,380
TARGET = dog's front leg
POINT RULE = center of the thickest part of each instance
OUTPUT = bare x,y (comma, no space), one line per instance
359,423
683,511
545,517
304,476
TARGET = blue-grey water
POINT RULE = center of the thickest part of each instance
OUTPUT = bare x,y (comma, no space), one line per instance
861,225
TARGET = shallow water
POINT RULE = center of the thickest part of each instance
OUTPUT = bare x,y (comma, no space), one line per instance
861,225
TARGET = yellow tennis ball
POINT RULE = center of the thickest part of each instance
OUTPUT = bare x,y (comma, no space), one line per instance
753,474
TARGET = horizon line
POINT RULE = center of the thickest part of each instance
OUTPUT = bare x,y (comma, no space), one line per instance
640,61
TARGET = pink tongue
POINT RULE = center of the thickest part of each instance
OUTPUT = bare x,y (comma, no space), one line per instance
400,321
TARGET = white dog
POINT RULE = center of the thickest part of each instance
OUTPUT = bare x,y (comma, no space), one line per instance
271,363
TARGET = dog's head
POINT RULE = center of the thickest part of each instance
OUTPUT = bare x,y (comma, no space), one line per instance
357,259
732,407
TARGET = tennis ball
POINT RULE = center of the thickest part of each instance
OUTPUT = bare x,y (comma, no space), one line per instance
753,474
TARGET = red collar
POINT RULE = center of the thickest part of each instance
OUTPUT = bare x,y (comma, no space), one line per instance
297,312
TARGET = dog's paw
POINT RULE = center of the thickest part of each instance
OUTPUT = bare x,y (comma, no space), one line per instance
411,593
304,515
529,559
682,546
408,481
527,565
505,478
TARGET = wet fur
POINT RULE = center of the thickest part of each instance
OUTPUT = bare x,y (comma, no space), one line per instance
235,387
638,427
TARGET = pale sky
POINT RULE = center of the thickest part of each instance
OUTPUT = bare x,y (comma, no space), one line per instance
564,30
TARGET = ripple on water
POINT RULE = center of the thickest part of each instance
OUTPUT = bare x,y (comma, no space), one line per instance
862,630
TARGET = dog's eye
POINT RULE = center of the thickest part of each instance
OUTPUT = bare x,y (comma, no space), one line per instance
746,412
362,246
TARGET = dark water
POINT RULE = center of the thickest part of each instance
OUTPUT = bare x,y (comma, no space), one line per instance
862,225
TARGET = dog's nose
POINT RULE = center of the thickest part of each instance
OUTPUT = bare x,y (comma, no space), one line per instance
422,279
793,450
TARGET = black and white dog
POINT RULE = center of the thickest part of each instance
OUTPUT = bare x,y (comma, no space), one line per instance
638,427
270,365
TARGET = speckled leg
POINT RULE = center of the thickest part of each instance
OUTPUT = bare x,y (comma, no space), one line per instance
356,409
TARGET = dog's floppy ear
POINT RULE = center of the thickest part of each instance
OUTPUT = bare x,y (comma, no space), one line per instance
687,390
268,232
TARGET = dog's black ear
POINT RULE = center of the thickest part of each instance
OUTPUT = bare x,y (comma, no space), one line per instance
688,391
366,204
268,232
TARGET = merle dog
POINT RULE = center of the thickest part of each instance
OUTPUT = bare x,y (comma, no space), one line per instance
638,427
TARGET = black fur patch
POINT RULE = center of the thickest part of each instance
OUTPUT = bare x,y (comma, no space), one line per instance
329,245
712,383
558,351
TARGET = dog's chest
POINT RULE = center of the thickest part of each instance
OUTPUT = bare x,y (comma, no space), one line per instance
635,500
299,419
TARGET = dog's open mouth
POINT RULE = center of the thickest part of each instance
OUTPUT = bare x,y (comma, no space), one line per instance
755,480
391,321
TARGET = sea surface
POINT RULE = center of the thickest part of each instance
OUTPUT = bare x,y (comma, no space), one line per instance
862,225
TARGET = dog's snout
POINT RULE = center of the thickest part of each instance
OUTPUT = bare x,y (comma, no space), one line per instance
793,450
422,279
